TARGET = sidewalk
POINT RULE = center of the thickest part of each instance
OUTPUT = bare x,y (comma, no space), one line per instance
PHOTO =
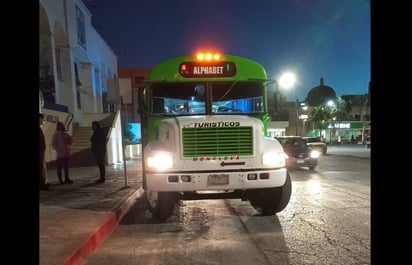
75,218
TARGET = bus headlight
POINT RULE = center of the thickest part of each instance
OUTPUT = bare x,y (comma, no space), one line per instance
274,158
159,161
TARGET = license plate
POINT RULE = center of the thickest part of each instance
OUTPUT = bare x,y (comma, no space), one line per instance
218,179
300,161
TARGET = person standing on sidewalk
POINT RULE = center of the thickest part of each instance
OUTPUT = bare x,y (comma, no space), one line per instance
43,185
98,148
62,143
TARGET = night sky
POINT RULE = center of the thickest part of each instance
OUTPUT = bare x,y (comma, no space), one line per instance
311,38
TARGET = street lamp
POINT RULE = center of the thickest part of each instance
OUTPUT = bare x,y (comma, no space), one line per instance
287,80
303,117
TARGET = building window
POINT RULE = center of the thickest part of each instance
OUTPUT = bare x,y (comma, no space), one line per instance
81,28
78,84
356,117
366,117
46,83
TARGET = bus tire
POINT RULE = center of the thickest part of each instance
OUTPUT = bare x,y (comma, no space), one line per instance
161,204
271,200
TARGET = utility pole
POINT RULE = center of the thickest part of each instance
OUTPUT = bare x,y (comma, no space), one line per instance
297,114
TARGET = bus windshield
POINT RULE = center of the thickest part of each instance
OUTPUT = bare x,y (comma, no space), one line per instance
191,98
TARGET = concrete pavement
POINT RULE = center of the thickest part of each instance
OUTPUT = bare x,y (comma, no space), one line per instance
75,218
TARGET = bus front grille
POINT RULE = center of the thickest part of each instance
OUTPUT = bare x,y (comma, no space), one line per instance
217,142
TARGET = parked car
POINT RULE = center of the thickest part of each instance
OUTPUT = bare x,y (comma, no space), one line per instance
298,151
316,144
343,139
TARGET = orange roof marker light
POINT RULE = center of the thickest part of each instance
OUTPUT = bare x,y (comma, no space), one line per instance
208,56
207,65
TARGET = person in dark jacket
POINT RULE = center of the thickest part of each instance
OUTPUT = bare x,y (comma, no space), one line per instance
43,185
98,148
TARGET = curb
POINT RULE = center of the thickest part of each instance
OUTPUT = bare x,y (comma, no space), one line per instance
80,255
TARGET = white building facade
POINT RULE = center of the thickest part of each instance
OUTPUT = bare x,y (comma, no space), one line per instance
75,65
74,60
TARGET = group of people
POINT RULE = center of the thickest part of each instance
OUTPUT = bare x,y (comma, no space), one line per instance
62,142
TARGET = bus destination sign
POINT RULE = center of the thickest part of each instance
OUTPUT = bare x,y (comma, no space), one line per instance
207,69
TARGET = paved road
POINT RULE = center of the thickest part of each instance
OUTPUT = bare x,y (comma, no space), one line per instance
358,150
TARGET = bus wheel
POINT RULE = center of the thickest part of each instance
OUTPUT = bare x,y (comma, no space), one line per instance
161,204
271,200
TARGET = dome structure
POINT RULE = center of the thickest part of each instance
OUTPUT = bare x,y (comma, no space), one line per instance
319,95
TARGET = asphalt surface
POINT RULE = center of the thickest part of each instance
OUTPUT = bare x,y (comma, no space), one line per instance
356,150
74,219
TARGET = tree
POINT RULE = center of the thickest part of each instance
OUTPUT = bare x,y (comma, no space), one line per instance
321,115
128,133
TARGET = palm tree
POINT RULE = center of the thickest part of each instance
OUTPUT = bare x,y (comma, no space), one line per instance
321,115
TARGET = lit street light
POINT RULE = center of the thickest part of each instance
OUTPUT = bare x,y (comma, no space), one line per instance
303,117
287,80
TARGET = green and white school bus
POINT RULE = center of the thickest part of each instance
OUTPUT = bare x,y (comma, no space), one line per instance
204,126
